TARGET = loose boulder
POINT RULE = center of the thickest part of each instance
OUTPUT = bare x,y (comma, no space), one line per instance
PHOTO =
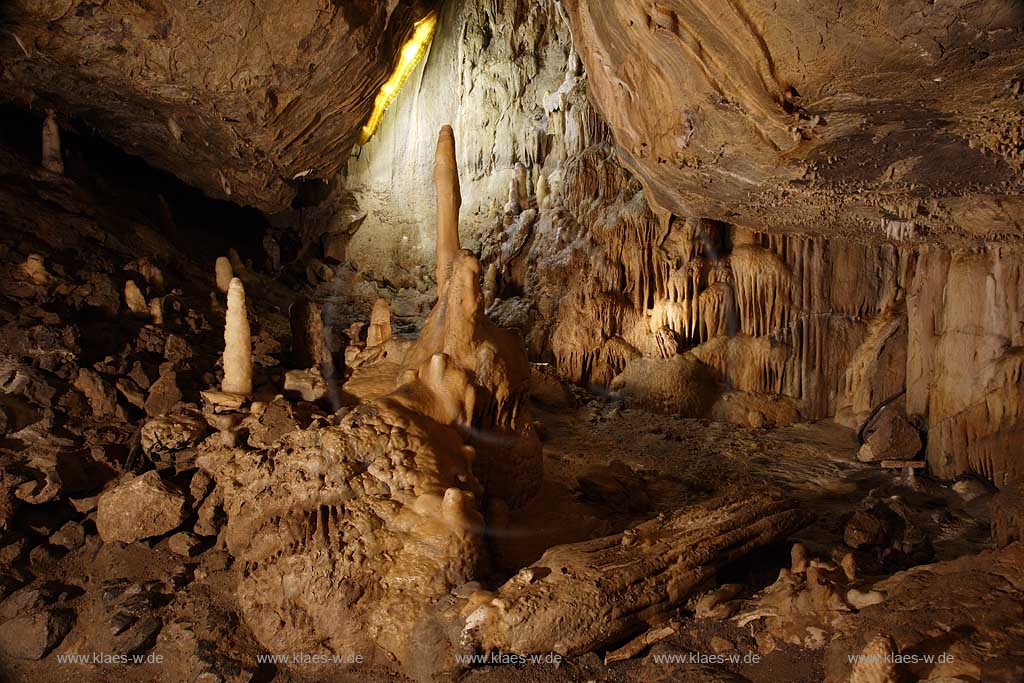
137,508
891,437
33,636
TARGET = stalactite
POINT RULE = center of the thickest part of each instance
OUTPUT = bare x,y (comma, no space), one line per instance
762,283
718,307
753,364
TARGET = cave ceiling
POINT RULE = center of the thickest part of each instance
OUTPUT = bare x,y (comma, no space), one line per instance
893,120
241,99
898,119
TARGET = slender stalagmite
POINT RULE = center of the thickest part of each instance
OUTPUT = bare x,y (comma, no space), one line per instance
237,344
513,206
156,310
224,272
449,201
523,186
53,161
380,324
543,192
490,284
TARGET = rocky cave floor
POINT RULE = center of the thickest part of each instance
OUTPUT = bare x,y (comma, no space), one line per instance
180,607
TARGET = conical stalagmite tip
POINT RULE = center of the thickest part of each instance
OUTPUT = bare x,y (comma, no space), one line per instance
445,155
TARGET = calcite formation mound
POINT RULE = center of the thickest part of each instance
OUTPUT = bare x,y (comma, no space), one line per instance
390,500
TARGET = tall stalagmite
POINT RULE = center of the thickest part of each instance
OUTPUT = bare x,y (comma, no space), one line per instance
449,201
237,343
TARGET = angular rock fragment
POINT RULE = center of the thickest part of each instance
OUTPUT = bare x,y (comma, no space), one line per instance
33,636
183,543
139,507
269,423
70,536
98,392
139,637
890,436
134,299
131,391
307,384
173,432
163,395
868,528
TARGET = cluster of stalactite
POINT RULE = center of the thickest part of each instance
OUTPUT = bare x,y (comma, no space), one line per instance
839,327
773,314
532,36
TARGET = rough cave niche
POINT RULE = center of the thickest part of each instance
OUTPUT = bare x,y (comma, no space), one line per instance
633,341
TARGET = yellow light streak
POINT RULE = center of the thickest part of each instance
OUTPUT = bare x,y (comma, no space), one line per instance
412,53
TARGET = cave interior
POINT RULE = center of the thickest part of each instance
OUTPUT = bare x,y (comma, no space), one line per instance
624,341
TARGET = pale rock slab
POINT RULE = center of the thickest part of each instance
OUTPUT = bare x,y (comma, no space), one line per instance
139,507
308,384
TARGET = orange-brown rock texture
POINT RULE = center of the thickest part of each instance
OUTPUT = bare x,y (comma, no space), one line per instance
897,119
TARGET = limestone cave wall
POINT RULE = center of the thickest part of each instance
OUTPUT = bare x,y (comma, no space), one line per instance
733,321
